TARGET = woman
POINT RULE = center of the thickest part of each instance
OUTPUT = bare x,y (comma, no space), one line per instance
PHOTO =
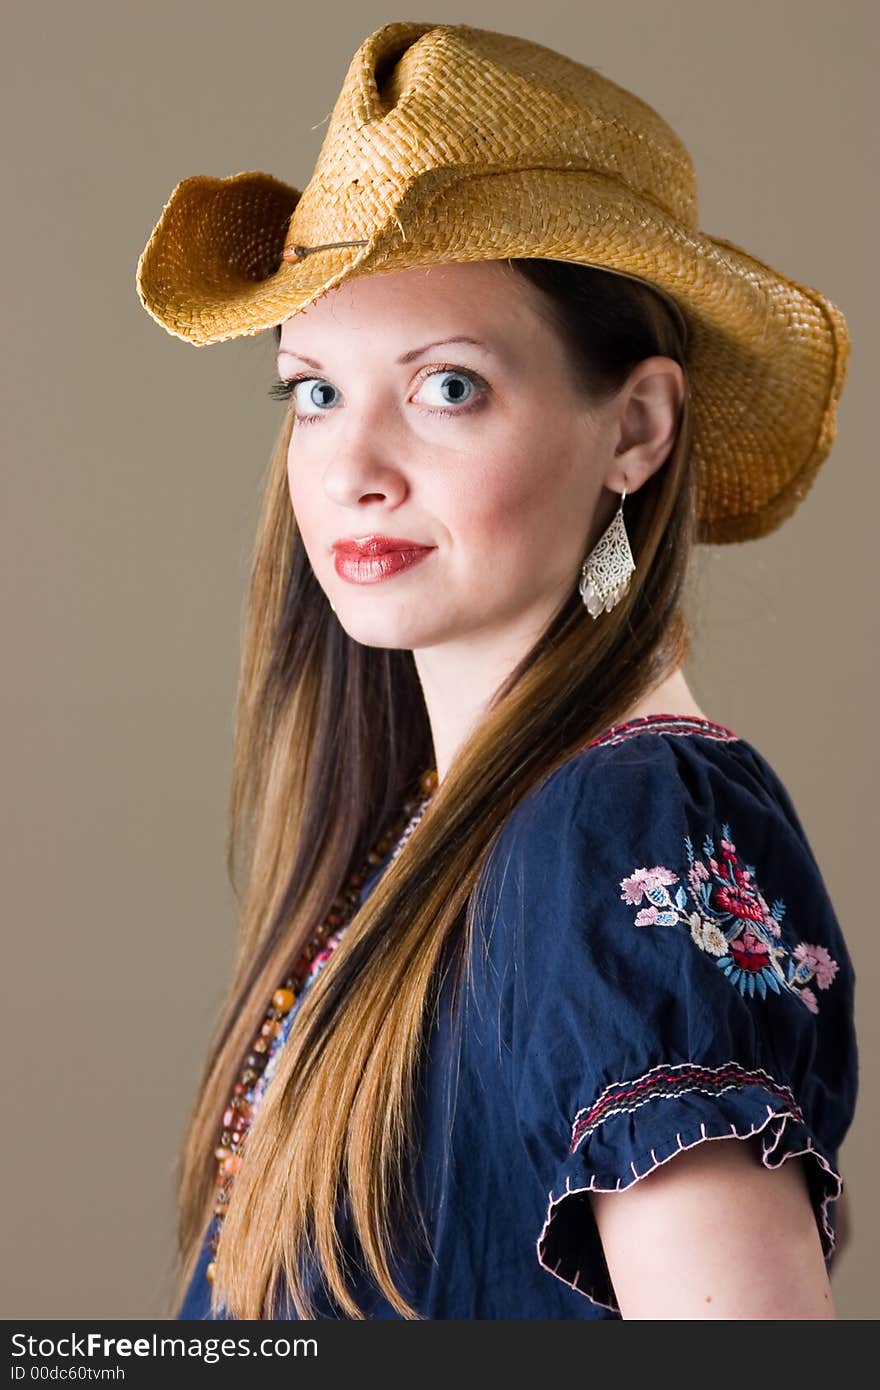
521,922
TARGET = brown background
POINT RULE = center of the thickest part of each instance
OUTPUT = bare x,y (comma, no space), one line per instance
131,473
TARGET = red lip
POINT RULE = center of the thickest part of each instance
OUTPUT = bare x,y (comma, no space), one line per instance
366,546
372,569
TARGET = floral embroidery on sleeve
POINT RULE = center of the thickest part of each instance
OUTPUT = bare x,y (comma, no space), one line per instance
731,920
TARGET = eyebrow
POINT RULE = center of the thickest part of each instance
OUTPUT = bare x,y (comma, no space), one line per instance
407,356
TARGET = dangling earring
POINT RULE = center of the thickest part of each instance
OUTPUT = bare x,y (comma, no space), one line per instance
606,572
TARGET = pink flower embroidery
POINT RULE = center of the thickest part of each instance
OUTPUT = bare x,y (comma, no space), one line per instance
641,881
809,999
819,961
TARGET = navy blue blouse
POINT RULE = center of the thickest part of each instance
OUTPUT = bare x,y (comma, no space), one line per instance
657,964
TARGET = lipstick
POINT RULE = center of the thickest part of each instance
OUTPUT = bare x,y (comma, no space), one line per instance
358,568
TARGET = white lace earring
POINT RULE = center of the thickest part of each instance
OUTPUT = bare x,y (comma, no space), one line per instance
606,572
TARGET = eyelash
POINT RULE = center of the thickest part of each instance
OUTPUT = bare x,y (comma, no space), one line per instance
283,391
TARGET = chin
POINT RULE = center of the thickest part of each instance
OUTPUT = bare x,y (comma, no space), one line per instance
402,634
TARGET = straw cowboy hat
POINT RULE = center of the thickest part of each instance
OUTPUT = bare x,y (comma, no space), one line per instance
451,143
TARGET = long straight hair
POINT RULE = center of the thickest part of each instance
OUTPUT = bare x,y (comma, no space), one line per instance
330,736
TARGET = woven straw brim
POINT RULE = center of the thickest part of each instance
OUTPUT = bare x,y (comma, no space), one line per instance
767,356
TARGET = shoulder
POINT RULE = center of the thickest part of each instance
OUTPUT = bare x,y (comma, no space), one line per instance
649,789
665,884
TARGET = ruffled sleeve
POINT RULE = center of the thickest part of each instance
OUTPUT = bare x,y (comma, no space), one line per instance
680,977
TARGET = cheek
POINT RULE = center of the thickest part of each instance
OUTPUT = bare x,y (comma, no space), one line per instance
524,502
305,504
302,497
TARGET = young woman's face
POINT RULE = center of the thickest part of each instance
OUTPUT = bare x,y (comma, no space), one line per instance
483,451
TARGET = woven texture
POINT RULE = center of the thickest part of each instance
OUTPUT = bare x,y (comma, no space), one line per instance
451,143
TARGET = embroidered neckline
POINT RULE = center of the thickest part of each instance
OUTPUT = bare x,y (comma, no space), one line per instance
664,724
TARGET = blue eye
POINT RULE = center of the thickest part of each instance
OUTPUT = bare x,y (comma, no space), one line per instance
476,387
284,390
457,378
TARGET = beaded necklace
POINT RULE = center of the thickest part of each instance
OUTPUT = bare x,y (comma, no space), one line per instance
246,1092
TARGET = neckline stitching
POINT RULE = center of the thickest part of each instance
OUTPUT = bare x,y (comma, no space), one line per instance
671,723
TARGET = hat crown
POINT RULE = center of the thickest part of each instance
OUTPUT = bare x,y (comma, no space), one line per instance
461,99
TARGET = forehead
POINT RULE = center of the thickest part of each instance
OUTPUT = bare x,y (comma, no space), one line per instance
486,300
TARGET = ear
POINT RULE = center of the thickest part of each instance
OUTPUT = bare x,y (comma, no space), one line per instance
644,422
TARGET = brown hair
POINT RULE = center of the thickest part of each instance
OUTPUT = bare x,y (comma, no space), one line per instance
330,735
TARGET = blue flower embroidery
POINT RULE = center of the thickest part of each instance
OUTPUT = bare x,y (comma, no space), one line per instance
732,921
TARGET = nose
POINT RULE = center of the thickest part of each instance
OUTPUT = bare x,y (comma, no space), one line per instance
365,460
353,477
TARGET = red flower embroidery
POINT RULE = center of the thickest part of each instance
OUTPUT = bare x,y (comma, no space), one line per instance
740,901
748,952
